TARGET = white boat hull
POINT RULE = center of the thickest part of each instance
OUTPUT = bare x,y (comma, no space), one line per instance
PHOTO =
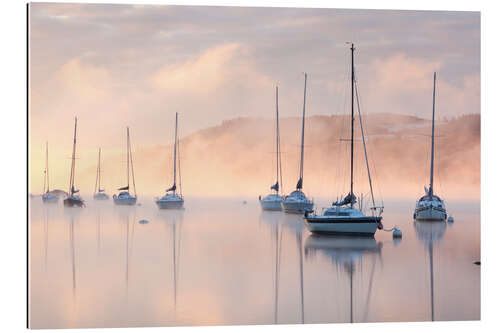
101,196
50,198
294,207
361,228
125,201
274,205
429,214
170,204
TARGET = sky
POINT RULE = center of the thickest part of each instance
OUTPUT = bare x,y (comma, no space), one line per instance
114,66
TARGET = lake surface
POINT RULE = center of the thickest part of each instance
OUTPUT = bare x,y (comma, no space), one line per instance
222,262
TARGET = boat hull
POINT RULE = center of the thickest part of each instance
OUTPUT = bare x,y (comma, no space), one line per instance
296,207
170,204
125,201
101,196
50,199
71,202
360,226
273,205
429,214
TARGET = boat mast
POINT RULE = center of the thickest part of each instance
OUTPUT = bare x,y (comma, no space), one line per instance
299,184
99,172
352,122
131,164
72,174
431,185
175,153
46,167
277,141
128,160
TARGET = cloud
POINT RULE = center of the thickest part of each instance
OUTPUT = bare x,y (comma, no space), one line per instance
219,67
403,84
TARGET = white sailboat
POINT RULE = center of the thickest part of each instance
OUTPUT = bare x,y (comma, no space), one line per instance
73,199
343,217
172,200
273,201
47,196
124,197
297,202
430,207
98,191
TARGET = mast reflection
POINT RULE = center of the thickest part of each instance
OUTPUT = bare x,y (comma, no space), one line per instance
430,233
345,253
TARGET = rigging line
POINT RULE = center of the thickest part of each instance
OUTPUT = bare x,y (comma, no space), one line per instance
175,153
179,164
45,172
372,161
128,159
132,169
47,167
97,172
364,146
302,137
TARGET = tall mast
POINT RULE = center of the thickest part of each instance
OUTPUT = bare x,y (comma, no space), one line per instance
352,121
128,159
175,153
299,184
99,172
47,166
131,163
277,140
431,186
72,174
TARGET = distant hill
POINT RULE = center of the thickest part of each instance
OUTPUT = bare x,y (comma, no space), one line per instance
236,157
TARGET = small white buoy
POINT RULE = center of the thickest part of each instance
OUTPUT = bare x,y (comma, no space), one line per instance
143,221
397,233
451,219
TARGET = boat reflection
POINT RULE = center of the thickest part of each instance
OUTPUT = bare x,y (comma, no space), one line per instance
430,233
346,253
273,221
288,225
72,253
173,222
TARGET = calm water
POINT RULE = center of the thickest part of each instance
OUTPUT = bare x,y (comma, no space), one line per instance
225,262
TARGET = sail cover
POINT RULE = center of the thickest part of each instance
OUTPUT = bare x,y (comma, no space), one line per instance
173,188
299,184
276,187
125,188
350,198
73,190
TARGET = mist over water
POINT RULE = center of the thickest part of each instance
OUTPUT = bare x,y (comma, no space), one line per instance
221,262
236,158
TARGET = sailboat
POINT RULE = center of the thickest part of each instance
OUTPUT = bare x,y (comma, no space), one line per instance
343,217
47,196
297,202
430,206
73,199
172,200
98,191
124,197
273,201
